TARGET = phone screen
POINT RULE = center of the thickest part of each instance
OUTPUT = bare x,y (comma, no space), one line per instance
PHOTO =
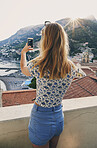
30,42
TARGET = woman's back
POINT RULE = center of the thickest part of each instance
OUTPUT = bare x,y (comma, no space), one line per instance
50,92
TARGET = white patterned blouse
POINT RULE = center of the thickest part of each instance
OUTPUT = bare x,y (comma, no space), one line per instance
49,93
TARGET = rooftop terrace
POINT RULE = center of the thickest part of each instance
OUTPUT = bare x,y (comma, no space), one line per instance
80,124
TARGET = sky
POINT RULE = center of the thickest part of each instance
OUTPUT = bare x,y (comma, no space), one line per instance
17,14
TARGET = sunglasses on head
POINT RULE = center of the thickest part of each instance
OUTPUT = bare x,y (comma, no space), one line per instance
46,23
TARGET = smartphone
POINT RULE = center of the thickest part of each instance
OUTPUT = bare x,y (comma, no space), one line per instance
30,42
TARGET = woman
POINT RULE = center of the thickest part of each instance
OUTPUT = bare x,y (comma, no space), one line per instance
54,73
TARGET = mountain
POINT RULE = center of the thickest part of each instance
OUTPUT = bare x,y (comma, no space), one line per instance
79,32
64,21
22,34
91,17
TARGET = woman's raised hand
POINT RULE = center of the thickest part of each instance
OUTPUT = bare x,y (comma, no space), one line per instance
26,48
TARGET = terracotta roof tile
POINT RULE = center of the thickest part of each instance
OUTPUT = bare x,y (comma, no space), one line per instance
89,64
93,77
88,71
18,97
93,68
82,87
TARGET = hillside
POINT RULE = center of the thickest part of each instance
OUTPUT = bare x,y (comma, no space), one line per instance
84,31
79,32
21,35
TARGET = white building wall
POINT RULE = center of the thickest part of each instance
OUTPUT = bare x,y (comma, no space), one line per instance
80,124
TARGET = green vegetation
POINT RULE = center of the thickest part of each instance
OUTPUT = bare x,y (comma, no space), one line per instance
19,45
33,83
85,32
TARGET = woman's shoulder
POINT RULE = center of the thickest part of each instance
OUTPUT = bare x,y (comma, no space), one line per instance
72,65
33,67
34,62
73,68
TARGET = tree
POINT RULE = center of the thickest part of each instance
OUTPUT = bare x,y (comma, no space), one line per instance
33,83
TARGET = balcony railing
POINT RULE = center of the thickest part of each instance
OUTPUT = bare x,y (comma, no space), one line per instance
80,124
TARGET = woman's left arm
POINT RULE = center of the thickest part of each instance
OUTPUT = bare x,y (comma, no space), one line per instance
23,62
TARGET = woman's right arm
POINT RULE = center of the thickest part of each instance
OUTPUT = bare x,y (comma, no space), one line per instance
23,62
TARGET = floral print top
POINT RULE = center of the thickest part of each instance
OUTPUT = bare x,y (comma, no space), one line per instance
49,93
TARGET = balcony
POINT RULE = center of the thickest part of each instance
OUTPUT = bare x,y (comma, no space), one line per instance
80,124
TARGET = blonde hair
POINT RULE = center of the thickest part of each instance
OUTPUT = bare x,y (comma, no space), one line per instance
54,52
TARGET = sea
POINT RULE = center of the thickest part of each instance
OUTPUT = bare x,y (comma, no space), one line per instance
7,64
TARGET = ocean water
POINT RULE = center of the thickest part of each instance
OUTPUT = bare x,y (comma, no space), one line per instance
7,64
3,72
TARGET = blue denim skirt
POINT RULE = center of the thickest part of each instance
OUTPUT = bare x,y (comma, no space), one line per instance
45,123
